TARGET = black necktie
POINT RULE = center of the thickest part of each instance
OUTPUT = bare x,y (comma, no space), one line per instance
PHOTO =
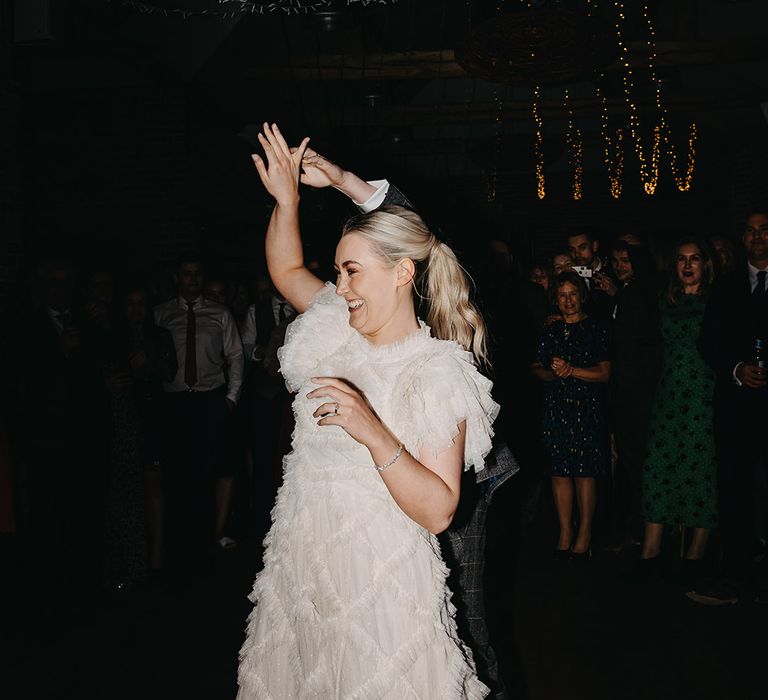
759,292
282,313
190,359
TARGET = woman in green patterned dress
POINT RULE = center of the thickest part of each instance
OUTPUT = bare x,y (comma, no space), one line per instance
679,477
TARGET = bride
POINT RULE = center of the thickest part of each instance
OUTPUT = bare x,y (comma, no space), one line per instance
352,600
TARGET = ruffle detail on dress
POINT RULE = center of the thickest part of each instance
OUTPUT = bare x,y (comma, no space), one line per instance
312,336
441,390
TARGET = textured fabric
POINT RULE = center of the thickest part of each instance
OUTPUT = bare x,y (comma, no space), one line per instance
679,478
573,426
352,601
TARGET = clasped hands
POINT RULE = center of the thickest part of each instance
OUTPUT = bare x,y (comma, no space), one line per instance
286,166
561,368
347,408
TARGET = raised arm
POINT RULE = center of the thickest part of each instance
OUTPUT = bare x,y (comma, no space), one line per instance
320,172
285,258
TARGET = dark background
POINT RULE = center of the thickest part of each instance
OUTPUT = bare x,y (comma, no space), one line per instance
125,134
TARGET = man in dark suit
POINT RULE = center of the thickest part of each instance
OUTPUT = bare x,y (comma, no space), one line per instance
737,317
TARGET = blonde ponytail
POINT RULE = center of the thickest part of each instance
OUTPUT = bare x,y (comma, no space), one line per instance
441,283
452,315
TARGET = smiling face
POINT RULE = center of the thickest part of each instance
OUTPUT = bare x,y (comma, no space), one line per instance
377,295
689,265
568,299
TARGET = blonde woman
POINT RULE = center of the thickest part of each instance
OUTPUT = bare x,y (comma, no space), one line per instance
352,600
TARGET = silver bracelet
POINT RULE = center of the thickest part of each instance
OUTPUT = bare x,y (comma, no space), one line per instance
391,461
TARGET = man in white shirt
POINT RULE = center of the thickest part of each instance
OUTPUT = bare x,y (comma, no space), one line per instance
199,400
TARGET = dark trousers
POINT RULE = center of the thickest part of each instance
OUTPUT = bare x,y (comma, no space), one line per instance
630,408
463,549
196,443
741,443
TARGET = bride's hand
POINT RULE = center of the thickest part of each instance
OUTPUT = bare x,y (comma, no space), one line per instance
347,408
281,175
319,171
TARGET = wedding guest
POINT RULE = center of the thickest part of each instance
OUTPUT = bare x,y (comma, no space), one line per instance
726,254
199,401
736,320
539,274
561,262
572,363
143,356
584,248
63,408
679,476
216,290
635,369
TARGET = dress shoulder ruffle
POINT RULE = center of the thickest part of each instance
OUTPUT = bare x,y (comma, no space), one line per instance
442,388
313,336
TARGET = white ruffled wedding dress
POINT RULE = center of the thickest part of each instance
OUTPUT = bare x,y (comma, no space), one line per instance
352,600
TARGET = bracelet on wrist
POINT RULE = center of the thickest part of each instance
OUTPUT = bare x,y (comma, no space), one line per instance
394,459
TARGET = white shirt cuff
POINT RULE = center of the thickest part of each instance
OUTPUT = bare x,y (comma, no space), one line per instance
375,200
735,378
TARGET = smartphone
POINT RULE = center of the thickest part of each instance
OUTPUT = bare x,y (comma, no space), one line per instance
583,271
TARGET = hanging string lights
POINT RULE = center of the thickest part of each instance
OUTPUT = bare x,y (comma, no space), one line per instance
683,181
575,147
538,147
493,178
649,165
614,147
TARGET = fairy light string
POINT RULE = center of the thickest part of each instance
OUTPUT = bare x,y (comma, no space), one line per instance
538,147
683,181
649,164
614,147
575,147
538,144
498,138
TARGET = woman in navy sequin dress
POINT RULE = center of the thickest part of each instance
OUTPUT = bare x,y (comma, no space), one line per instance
572,363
